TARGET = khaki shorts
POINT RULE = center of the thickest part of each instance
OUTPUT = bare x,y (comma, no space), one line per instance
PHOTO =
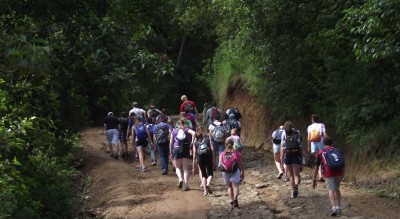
333,182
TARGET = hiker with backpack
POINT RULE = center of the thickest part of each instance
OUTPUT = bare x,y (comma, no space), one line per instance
217,134
316,134
212,113
291,154
140,135
162,117
237,142
234,111
123,127
233,123
188,123
180,145
206,107
332,163
153,113
232,171
204,154
131,121
139,112
111,126
188,106
276,148
151,145
162,132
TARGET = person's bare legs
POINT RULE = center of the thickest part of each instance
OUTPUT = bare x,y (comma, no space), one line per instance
278,163
185,165
178,165
141,156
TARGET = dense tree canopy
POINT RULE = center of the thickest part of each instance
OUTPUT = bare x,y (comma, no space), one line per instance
64,64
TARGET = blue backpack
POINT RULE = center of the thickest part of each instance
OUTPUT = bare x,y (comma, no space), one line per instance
140,131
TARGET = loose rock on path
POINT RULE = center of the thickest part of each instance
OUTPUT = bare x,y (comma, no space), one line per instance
116,189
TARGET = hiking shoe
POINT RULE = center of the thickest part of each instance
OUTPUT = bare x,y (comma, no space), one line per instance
209,190
338,211
295,193
232,203
285,179
180,184
153,163
236,203
165,172
321,179
334,212
205,193
280,175
143,169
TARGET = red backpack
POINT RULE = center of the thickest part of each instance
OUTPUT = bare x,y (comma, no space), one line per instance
229,161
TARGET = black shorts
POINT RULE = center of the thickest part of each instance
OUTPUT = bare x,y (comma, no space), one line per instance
183,154
292,159
142,143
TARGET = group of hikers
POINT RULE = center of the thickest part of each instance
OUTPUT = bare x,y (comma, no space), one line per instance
214,142
289,159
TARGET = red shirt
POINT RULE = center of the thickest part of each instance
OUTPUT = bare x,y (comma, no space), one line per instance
326,172
182,108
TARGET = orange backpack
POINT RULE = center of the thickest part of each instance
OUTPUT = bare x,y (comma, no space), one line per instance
315,135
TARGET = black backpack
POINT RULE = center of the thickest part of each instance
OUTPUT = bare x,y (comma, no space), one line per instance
153,113
162,134
203,147
277,138
292,143
233,123
333,159
234,110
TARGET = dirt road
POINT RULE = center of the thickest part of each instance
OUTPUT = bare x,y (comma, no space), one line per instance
116,189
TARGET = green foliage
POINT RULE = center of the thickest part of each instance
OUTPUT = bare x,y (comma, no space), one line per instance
334,58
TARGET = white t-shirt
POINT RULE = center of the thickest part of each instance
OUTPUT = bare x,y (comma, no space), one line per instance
137,111
211,127
318,126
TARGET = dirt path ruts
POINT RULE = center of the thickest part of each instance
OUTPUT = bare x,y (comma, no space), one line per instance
118,190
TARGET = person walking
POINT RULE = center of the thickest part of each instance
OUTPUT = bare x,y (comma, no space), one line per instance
206,107
151,146
111,127
276,148
123,128
162,133
217,134
139,112
316,134
232,171
204,154
333,174
212,113
140,135
162,117
291,154
152,113
188,106
180,141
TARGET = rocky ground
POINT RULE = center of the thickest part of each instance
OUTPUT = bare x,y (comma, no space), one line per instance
116,189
